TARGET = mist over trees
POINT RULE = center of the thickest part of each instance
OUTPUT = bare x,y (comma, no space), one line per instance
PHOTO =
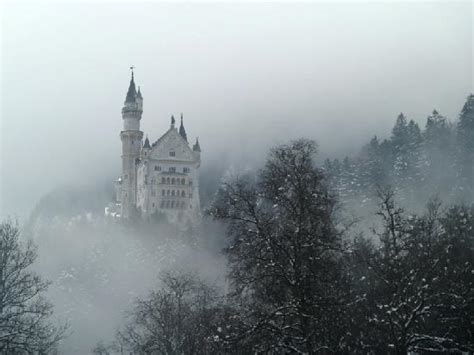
299,283
419,163
275,266
25,314
285,253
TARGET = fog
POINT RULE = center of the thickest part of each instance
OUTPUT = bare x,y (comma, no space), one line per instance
245,76
251,75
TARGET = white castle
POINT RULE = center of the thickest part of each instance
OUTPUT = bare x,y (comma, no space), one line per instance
157,179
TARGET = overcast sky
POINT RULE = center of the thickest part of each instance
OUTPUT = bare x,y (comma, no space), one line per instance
246,76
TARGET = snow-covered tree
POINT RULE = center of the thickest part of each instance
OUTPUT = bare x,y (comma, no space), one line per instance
25,314
407,297
285,254
438,154
182,317
465,148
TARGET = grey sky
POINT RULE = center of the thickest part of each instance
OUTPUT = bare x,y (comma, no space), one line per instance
246,76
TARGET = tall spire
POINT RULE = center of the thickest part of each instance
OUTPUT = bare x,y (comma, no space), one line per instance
196,146
147,143
132,92
139,94
182,131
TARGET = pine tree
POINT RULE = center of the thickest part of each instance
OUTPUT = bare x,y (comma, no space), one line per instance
465,148
438,153
372,168
407,159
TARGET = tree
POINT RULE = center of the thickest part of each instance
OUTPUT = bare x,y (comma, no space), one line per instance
407,300
373,171
349,180
406,144
180,318
458,316
465,147
284,254
25,325
439,153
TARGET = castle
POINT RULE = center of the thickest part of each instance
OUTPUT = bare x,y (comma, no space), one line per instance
161,179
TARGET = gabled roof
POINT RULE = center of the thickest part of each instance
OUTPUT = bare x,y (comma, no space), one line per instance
180,145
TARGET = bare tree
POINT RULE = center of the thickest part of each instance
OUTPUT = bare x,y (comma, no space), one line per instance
25,325
285,254
407,300
179,318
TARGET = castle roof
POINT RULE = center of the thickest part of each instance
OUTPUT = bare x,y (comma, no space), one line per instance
182,131
147,143
171,140
132,92
196,146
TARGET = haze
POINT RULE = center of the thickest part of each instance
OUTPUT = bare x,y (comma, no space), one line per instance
246,76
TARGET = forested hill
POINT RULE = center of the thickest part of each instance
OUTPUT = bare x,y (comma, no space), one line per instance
420,163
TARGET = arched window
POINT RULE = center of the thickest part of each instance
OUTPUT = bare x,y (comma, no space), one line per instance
172,204
172,181
167,192
162,192
172,193
183,194
183,181
168,204
163,180
167,180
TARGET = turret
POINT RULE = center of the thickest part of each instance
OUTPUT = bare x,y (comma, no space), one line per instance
197,152
196,146
133,108
145,149
131,138
182,131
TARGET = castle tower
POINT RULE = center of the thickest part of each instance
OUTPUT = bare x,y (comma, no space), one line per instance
131,138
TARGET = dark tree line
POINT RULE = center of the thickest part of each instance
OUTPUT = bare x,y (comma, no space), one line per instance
439,158
299,285
25,314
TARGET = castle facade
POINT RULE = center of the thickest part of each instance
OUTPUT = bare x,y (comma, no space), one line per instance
159,179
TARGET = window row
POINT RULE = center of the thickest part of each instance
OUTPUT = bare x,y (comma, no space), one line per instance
172,204
173,181
172,193
171,169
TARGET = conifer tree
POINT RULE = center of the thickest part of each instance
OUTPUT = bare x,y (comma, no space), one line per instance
438,154
465,148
